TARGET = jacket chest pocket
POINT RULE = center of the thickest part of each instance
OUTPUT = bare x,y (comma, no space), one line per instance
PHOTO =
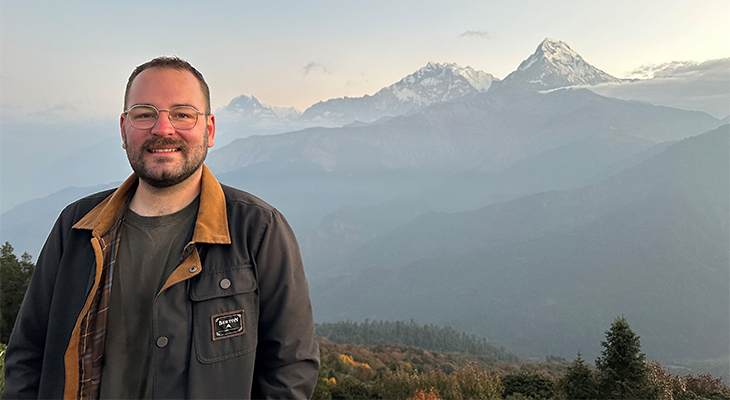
225,314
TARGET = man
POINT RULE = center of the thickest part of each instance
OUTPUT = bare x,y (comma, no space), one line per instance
172,285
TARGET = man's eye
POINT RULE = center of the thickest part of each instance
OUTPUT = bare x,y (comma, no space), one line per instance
143,113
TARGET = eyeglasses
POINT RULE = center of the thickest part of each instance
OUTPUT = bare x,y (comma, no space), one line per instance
145,117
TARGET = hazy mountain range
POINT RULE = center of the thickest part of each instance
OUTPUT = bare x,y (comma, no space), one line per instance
544,272
525,209
553,64
431,84
678,85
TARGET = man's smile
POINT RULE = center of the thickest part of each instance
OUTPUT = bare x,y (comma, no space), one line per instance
163,150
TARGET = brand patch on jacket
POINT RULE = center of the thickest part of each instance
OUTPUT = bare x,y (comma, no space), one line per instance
227,325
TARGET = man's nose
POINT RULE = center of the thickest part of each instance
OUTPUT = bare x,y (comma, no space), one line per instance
163,126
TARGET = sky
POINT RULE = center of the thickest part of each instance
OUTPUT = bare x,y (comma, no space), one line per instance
64,65
61,57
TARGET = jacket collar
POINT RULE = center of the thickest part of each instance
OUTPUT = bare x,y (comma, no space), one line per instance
211,225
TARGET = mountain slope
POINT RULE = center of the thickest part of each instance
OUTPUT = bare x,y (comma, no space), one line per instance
311,173
545,273
554,64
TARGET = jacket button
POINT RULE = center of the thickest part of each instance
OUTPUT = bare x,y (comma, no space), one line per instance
225,283
193,269
162,341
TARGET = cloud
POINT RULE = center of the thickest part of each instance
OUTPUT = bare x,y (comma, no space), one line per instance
479,34
315,66
701,86
681,68
58,112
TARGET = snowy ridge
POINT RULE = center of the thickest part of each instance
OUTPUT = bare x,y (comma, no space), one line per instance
554,64
431,84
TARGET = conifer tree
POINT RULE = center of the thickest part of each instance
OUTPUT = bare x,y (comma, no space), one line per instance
623,372
579,382
14,279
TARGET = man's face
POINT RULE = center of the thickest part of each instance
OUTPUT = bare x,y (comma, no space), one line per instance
163,156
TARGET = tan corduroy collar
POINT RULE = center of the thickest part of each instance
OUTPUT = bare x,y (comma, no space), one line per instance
210,227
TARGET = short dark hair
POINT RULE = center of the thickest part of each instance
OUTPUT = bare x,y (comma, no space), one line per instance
170,63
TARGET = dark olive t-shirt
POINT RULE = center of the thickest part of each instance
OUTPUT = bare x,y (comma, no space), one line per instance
149,251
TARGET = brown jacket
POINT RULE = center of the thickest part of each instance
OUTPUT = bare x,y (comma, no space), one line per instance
233,320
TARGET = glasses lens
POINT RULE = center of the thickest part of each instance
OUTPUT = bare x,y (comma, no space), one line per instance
142,117
183,117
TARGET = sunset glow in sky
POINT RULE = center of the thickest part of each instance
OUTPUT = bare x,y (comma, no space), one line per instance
73,58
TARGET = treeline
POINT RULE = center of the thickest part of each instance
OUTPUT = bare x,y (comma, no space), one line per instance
401,372
429,337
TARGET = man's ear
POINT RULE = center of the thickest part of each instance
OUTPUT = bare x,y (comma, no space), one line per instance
124,134
210,124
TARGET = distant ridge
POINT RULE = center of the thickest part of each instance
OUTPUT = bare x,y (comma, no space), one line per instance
427,336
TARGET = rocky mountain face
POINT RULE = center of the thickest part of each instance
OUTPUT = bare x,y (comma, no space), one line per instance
554,64
431,84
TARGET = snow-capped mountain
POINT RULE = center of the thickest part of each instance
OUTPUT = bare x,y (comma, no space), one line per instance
246,115
249,108
431,84
554,64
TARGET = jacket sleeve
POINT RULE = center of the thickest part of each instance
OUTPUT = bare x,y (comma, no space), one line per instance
26,347
287,359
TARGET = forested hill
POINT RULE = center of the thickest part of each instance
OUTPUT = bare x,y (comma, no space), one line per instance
429,337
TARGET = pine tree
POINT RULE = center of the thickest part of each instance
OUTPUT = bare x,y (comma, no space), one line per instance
623,372
14,279
579,382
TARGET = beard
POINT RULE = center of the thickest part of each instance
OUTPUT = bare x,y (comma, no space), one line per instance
166,177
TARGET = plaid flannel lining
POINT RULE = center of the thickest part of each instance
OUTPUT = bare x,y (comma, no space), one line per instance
93,326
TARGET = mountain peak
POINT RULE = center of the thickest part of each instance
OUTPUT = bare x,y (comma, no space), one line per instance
479,80
554,64
432,83
556,50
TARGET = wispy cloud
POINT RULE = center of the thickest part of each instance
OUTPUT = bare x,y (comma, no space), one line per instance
688,85
675,69
315,66
58,112
479,34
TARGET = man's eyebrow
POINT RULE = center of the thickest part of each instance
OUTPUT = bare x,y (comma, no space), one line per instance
174,105
140,104
184,105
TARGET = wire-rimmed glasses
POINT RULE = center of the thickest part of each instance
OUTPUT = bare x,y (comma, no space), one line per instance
144,116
